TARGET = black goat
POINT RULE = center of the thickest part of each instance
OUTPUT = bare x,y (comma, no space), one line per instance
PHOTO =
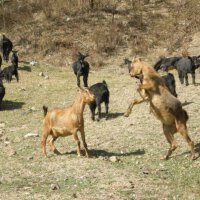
168,78
8,72
128,62
166,63
184,66
14,58
5,47
169,82
81,68
2,92
101,93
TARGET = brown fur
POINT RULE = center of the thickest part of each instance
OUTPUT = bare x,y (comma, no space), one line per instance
61,122
163,105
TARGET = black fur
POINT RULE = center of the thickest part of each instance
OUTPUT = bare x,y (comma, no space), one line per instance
165,63
8,72
81,68
6,47
2,92
184,66
101,92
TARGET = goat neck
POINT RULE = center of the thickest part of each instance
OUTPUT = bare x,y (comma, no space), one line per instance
79,105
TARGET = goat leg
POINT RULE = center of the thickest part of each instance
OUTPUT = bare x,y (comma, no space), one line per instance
193,79
85,80
78,144
144,86
99,111
84,142
135,101
78,80
53,148
106,105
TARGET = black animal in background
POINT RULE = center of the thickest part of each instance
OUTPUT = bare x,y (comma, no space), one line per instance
170,83
101,93
184,66
8,72
168,78
166,63
5,47
2,93
128,62
81,68
14,58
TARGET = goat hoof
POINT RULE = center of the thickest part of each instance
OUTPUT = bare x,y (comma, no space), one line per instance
57,152
98,119
193,157
126,114
164,158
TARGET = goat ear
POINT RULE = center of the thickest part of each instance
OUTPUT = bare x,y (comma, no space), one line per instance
138,59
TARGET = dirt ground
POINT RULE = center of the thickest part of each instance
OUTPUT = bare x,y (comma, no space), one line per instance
125,152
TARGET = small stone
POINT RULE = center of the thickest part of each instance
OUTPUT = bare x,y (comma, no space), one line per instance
46,77
33,63
2,125
30,158
22,89
55,186
114,159
31,135
41,74
12,153
74,195
33,109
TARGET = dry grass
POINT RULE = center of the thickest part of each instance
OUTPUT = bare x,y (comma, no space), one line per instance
46,27
109,32
136,141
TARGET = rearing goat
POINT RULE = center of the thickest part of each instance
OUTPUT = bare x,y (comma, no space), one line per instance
61,122
81,68
163,105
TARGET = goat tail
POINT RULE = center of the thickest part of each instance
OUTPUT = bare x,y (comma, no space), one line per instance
45,109
186,115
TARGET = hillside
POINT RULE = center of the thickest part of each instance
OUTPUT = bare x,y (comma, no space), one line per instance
53,31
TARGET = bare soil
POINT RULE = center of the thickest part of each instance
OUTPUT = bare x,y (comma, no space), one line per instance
137,142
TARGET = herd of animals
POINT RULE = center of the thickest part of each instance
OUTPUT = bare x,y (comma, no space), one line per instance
159,91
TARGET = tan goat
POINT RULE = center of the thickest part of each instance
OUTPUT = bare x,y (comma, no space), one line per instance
165,107
61,122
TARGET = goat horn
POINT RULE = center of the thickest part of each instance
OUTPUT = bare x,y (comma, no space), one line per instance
133,58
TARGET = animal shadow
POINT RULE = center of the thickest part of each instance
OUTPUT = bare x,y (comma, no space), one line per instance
197,149
11,105
102,153
112,115
25,68
96,153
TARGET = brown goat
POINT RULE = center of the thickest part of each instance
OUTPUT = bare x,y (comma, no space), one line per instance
61,122
165,107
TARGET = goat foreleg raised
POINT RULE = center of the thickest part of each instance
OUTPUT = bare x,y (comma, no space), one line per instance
134,102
